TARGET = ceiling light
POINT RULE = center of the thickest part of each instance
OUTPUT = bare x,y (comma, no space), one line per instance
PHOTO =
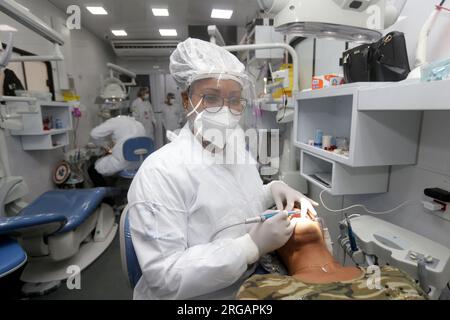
5,27
97,10
221,14
119,33
168,32
160,12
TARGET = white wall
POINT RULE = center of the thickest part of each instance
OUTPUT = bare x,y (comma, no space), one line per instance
85,57
433,166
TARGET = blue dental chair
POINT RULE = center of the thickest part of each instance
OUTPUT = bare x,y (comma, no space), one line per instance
136,150
57,230
12,256
130,263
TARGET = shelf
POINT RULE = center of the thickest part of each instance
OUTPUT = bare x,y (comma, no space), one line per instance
376,138
339,179
405,96
381,121
33,135
323,153
45,142
43,133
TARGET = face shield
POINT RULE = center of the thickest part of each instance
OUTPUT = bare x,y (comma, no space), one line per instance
218,103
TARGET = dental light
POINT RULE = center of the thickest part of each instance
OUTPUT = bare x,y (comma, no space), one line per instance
349,20
113,89
25,17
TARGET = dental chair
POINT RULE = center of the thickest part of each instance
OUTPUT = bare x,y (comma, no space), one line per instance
12,256
136,150
130,263
58,230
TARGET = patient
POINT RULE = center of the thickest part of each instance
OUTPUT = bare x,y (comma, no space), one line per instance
315,275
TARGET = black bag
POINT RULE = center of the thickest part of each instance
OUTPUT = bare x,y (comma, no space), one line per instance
11,84
357,64
385,60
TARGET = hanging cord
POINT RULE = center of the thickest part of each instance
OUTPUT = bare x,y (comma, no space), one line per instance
362,206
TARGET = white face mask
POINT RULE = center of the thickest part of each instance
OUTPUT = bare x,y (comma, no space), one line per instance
172,101
146,96
215,127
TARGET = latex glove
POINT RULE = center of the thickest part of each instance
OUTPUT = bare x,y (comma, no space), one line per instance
281,193
272,234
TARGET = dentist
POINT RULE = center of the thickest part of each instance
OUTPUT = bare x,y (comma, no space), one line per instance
183,195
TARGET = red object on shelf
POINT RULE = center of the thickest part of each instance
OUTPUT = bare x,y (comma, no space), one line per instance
46,125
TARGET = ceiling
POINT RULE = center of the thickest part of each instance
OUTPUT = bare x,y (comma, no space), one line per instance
135,16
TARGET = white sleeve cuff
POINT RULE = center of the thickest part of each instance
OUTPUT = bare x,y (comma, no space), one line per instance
249,248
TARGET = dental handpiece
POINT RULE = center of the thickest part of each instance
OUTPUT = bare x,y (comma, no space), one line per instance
268,215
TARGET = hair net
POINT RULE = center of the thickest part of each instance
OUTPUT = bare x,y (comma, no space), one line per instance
195,59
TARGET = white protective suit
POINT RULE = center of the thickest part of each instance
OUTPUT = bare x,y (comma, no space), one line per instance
142,111
178,201
120,129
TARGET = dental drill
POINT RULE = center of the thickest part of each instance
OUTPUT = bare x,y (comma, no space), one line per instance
258,219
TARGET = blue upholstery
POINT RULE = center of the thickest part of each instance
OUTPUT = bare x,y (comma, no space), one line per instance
12,256
75,205
15,225
131,145
133,268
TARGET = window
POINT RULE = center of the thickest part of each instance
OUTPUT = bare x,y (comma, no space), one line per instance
34,75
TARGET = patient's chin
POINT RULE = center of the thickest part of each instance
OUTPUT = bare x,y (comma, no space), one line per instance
306,230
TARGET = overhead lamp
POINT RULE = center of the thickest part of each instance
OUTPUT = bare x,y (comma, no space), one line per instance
221,14
113,90
119,33
160,12
348,20
97,10
168,32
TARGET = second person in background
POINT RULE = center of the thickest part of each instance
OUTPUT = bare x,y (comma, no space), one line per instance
142,111
173,116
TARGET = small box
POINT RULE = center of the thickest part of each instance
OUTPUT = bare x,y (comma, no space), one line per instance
328,80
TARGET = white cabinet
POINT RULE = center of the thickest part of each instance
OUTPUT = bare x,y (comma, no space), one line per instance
381,122
376,138
404,96
46,127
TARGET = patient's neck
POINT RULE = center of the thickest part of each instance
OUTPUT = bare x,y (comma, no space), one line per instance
306,256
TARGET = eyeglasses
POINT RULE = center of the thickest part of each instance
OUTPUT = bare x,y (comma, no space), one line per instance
213,103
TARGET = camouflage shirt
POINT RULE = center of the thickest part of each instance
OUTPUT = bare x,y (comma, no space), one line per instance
393,285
